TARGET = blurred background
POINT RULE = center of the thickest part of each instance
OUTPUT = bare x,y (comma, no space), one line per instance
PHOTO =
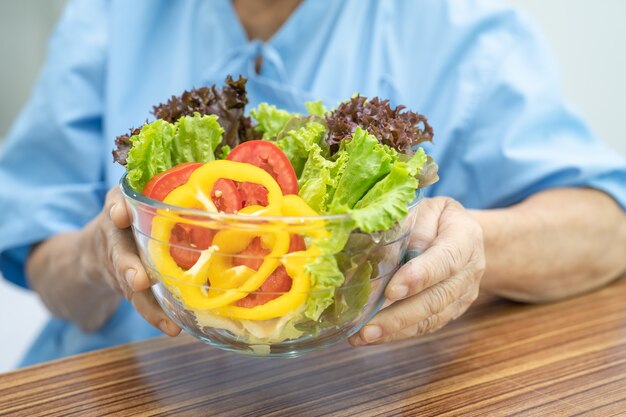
587,38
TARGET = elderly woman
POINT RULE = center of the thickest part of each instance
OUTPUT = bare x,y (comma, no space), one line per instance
529,200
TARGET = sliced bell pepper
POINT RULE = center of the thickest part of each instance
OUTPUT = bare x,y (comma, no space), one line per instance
301,282
228,283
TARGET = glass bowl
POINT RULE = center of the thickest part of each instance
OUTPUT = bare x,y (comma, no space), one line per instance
322,279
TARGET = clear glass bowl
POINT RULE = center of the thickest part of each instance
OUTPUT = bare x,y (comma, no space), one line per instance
321,292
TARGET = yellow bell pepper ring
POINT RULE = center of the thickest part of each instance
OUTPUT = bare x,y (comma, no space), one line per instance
228,284
294,205
191,287
192,195
201,183
220,297
231,244
290,301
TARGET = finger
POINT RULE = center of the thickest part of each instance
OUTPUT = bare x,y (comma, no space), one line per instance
451,250
430,324
409,312
145,303
127,266
116,207
427,222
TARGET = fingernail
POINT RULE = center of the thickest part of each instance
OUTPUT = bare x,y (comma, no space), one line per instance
372,333
398,292
356,341
163,326
129,275
111,211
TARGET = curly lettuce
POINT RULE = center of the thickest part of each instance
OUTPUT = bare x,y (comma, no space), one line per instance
161,145
387,201
316,108
395,127
226,103
368,162
373,183
299,144
270,119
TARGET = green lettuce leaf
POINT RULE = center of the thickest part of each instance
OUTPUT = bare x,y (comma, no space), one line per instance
368,162
315,181
299,143
160,145
196,139
340,163
387,201
325,278
422,167
227,103
223,152
415,163
150,153
316,108
270,119
319,179
429,173
350,301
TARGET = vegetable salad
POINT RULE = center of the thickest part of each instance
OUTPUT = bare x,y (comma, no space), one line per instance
275,283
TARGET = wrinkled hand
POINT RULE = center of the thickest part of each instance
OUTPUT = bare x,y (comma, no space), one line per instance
118,264
436,287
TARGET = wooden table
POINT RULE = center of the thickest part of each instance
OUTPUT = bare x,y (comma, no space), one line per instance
500,359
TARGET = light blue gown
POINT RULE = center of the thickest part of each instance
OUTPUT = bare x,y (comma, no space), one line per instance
477,69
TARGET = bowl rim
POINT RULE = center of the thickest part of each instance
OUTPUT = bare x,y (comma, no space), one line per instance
133,195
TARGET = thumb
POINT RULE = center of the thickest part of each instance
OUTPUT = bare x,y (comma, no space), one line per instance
426,226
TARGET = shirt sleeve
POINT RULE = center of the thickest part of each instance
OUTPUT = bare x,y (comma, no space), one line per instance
522,138
51,166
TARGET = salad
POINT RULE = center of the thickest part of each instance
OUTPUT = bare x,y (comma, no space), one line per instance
273,283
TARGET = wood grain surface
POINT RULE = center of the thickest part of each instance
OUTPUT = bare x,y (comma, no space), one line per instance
500,359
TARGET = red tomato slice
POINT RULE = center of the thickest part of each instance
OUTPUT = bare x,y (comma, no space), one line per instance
273,287
270,158
163,183
296,244
195,238
252,194
252,256
226,197
277,283
224,194
255,253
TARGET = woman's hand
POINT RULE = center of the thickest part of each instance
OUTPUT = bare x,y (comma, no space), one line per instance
124,271
80,275
437,286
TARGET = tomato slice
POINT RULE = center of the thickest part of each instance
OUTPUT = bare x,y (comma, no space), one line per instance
226,197
271,159
163,183
252,194
296,244
252,256
195,238
273,287
277,283
224,194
